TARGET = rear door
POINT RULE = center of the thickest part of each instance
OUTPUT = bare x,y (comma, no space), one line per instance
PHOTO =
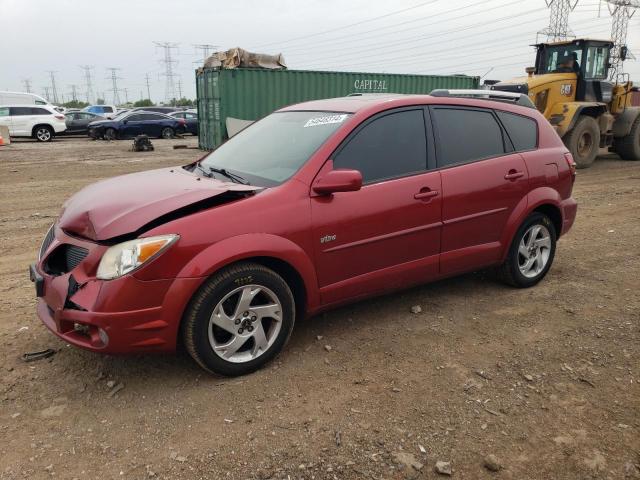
387,234
21,121
152,124
483,180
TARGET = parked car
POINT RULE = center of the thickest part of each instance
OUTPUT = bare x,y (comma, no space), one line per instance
107,111
131,124
165,110
78,122
24,98
315,205
191,117
41,122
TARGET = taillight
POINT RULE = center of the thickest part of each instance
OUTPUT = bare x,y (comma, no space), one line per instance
59,117
182,121
572,164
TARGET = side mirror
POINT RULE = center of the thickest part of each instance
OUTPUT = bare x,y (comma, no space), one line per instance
338,181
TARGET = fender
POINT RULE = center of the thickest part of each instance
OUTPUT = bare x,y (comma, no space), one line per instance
535,198
564,115
233,249
624,121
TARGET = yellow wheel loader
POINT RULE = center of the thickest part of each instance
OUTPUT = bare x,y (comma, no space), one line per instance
569,85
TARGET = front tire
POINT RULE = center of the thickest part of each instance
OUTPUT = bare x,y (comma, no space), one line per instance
628,147
531,253
239,320
583,141
43,133
110,134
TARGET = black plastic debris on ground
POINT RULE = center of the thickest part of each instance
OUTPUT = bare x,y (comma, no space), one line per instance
141,143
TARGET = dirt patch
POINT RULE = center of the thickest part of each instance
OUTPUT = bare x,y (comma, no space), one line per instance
544,379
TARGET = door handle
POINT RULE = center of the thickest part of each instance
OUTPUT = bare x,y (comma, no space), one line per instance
426,194
512,175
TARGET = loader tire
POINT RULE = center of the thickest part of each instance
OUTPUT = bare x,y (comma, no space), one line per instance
583,141
628,147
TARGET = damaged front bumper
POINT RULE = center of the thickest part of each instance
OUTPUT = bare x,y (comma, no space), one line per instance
124,315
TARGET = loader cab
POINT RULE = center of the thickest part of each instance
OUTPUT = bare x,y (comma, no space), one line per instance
587,59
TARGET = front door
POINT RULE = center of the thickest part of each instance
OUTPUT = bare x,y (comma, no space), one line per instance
482,182
387,234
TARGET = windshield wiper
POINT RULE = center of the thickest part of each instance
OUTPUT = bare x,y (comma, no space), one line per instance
232,176
204,172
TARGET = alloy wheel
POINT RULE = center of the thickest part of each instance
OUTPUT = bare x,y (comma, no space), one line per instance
534,250
245,323
43,134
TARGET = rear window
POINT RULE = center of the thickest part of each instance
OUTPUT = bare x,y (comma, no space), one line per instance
522,131
466,135
4,111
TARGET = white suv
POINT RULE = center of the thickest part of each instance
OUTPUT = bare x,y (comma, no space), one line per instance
41,122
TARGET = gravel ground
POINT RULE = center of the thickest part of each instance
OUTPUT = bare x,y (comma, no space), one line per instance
485,381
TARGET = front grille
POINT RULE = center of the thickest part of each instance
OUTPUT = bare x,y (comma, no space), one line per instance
64,259
48,238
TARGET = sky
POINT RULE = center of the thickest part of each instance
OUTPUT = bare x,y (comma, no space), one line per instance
489,38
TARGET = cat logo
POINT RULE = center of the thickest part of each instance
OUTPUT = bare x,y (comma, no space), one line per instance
565,89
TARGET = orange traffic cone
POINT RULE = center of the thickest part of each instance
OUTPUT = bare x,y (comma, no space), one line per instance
1,141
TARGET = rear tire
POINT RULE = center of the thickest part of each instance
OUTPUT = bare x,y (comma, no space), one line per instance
239,320
531,252
628,147
583,141
43,133
110,134
167,133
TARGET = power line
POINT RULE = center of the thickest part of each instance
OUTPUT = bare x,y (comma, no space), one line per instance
114,82
54,91
348,26
169,62
88,83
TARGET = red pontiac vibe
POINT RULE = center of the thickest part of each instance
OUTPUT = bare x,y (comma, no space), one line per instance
316,205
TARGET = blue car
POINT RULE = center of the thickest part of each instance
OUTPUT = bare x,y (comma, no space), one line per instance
131,124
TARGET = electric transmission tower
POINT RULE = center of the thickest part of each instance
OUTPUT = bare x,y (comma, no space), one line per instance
146,77
558,28
54,91
114,84
88,84
126,95
46,93
169,62
179,89
27,85
206,51
621,12
74,92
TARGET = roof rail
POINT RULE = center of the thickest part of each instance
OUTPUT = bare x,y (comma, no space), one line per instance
497,95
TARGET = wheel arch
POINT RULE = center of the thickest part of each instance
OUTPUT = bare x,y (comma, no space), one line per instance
543,199
566,115
37,125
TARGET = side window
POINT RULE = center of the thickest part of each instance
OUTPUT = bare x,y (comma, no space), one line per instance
151,116
134,118
522,131
466,135
191,115
107,109
20,111
39,111
40,102
178,115
4,111
596,58
393,145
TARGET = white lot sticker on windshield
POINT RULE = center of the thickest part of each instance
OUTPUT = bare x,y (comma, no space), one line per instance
314,122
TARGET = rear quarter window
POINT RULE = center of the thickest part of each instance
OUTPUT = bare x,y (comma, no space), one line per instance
523,131
40,111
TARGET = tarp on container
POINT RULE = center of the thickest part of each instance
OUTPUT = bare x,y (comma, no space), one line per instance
239,58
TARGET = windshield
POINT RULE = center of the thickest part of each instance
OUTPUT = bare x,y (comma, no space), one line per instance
562,59
274,148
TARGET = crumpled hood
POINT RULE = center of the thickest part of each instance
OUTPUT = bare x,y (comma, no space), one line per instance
126,204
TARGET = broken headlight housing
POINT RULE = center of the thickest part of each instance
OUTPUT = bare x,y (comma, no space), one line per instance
126,257
541,100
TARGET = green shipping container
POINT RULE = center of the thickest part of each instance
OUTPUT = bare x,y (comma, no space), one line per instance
252,93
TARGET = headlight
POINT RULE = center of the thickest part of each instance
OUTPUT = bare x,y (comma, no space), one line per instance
125,257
